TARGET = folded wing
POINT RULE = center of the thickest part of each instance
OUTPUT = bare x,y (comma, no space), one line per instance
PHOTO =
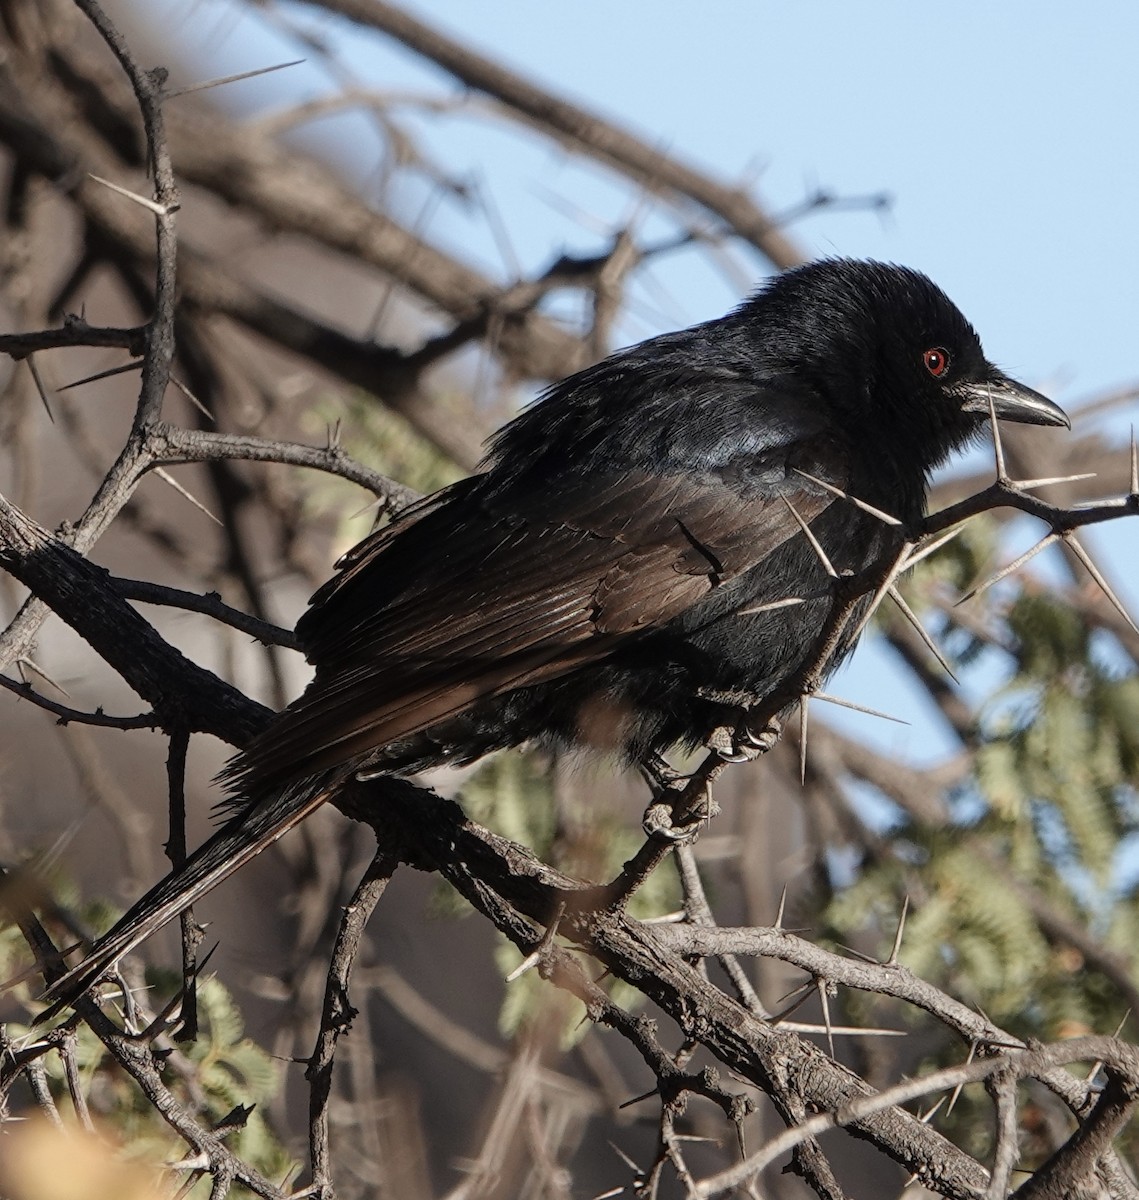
477,595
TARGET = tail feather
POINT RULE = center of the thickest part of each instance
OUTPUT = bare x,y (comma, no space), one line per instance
239,840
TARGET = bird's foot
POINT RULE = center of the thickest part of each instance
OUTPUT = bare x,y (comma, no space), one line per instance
661,775
660,818
743,742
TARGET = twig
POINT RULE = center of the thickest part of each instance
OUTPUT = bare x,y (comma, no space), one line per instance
337,1013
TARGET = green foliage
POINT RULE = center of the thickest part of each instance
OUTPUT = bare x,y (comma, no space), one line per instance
513,794
372,434
220,1071
1039,830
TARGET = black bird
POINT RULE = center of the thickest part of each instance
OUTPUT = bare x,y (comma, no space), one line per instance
595,582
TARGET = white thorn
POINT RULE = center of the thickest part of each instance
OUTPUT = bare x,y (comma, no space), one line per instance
867,508
625,1158
213,83
193,399
804,709
921,630
1002,473
841,1030
1004,572
934,546
892,961
758,608
672,918
371,506
23,661
161,210
1111,502
1025,484
897,567
824,1003
531,960
1094,572
957,1090
166,477
822,554
862,708
1097,1066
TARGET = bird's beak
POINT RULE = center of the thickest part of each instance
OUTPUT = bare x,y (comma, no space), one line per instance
1011,401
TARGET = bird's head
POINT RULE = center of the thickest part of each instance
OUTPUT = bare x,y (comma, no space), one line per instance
896,360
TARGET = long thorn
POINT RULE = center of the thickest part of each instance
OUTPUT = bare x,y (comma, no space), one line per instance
1004,572
892,961
957,1090
1097,1066
1027,484
804,709
193,399
862,708
834,491
624,1157
531,960
637,1099
798,991
153,206
934,546
866,958
897,567
1134,491
998,448
1094,572
803,992
921,631
1108,502
166,477
38,380
213,83
23,661
782,907
822,554
131,366
842,1030
371,506
788,603
824,1002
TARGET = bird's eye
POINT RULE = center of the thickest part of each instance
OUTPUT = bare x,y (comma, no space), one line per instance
936,361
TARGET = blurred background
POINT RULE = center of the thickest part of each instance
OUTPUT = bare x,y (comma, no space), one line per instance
402,236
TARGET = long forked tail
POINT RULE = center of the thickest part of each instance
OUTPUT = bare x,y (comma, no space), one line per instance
235,843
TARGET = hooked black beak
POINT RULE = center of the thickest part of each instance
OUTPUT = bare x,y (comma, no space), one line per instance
1011,401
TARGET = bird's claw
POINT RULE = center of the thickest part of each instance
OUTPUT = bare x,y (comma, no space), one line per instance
658,820
742,742
661,775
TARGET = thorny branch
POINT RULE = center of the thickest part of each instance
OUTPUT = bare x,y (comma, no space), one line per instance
67,120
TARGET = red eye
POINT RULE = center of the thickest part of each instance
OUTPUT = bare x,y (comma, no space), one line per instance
936,361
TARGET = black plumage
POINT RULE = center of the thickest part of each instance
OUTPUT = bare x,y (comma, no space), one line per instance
596,582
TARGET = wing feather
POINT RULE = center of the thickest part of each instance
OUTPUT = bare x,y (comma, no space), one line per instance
499,600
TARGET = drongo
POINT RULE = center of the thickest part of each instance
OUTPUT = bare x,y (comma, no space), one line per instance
610,578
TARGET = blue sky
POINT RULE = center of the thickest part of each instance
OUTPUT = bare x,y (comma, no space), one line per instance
1005,135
